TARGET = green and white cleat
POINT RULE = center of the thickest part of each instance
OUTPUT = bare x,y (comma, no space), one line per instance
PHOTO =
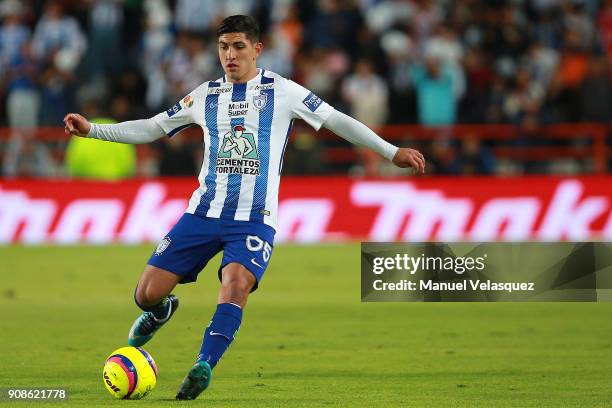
197,380
146,324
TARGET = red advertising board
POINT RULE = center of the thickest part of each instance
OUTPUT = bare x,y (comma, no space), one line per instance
321,209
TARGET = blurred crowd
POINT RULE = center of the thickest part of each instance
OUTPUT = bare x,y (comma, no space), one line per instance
430,62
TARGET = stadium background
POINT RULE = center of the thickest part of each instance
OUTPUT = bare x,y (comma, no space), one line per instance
510,101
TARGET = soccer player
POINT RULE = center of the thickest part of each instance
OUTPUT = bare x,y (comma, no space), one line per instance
246,116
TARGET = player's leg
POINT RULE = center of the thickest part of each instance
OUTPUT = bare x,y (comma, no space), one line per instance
247,251
179,257
153,296
236,284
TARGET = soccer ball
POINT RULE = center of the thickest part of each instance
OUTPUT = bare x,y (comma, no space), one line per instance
129,373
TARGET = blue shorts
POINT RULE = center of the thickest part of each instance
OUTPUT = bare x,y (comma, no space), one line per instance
194,240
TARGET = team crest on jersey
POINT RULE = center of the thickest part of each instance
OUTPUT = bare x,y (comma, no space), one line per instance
238,153
164,243
260,101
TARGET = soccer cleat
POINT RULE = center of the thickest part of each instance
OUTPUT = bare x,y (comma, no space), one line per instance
197,380
146,324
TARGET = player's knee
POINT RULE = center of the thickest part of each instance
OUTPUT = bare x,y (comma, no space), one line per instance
237,282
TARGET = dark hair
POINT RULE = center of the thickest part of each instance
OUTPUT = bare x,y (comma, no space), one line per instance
240,24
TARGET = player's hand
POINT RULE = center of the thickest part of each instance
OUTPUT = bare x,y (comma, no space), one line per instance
406,157
77,125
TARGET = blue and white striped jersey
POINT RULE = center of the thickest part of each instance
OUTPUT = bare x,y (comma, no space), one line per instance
246,127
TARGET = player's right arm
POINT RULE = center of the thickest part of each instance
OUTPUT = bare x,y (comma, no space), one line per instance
131,132
170,122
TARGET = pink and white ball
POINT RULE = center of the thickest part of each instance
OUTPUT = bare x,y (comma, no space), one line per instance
129,373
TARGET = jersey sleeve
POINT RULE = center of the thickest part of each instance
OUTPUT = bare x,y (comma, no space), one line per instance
178,117
308,106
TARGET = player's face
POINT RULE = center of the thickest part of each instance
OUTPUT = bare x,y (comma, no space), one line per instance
238,56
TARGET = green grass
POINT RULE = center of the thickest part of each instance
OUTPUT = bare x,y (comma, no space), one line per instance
306,339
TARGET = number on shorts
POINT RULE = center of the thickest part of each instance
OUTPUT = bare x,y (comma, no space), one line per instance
255,244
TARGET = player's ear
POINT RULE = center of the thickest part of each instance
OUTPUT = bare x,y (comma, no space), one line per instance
258,49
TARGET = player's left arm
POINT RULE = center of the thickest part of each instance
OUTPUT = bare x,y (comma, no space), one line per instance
357,133
305,105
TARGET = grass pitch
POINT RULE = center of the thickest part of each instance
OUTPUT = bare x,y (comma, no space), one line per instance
306,339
